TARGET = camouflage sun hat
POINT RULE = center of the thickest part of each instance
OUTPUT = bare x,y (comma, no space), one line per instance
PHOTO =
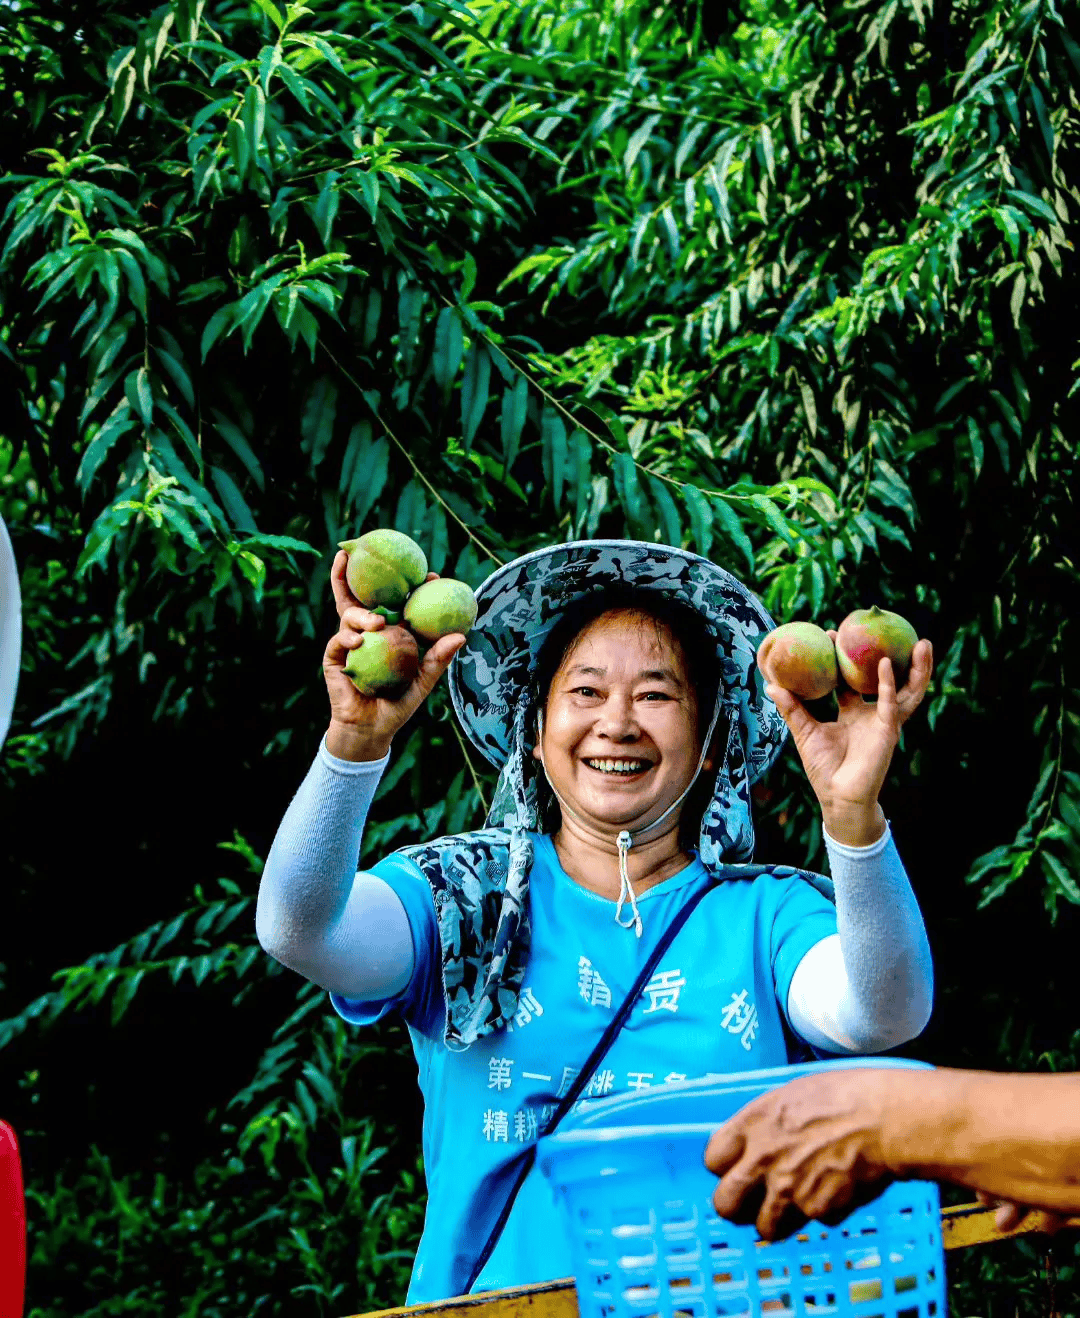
518,605
521,602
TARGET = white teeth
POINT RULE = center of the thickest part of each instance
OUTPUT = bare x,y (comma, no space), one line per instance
618,766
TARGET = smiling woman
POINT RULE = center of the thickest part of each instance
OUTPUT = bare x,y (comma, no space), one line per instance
614,686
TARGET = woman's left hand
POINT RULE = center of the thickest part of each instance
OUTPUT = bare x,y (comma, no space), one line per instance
847,761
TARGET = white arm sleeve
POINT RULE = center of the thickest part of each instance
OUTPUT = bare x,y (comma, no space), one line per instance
345,931
870,986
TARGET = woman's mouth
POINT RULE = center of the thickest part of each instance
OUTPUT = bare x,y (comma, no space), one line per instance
617,767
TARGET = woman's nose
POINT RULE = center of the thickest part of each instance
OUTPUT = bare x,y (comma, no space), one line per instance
617,720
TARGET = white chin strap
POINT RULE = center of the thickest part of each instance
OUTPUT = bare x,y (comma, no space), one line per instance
626,838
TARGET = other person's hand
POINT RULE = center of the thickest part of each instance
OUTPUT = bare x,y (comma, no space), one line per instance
811,1149
362,727
1009,1215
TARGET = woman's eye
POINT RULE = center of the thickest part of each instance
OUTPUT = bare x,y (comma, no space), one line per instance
656,695
584,691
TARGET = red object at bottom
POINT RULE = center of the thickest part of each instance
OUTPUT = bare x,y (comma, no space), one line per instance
12,1226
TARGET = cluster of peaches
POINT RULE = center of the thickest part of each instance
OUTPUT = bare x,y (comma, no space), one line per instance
807,661
387,573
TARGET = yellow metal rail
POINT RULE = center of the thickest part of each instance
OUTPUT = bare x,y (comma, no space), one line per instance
961,1227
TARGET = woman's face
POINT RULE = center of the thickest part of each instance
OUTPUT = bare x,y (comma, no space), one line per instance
620,739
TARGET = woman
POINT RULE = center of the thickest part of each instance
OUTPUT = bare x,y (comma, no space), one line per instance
614,684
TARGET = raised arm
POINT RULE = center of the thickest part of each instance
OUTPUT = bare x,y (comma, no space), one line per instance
871,987
345,931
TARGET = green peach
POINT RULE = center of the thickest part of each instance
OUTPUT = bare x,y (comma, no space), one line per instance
385,663
867,636
440,607
799,656
383,567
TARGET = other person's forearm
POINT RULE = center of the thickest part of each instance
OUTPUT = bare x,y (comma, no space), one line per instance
1015,1137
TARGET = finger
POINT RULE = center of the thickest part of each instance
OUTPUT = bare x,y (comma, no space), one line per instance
1009,1215
887,709
776,1211
437,660
914,689
725,1148
738,1197
801,723
339,645
1052,1223
343,596
360,619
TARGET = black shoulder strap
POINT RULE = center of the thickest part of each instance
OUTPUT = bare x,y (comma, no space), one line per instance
527,1156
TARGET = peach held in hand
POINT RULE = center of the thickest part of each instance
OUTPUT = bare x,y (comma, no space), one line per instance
867,636
440,607
385,664
799,656
384,566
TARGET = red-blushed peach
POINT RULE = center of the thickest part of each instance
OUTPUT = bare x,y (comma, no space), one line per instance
384,566
867,636
799,656
385,663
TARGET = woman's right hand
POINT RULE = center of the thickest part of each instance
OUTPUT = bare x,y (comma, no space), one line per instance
362,727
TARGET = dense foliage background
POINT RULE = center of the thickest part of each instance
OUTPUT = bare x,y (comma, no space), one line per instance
795,286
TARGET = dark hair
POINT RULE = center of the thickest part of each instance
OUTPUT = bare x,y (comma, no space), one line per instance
698,645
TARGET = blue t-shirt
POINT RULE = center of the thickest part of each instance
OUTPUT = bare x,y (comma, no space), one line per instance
712,1006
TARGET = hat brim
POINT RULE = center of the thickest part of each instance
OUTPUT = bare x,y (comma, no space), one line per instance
518,605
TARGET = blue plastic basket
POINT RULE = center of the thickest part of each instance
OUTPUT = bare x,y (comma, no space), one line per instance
645,1239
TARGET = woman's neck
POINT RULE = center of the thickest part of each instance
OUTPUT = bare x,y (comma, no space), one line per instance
592,858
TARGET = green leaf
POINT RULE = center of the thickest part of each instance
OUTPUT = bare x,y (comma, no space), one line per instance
326,206
254,117
177,374
233,502
449,347
670,528
369,474
317,420
1058,875
515,403
581,449
631,495
555,453
269,62
474,391
118,423
221,322
700,518
129,986
237,441
1045,126
732,526
272,12
637,142
140,396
